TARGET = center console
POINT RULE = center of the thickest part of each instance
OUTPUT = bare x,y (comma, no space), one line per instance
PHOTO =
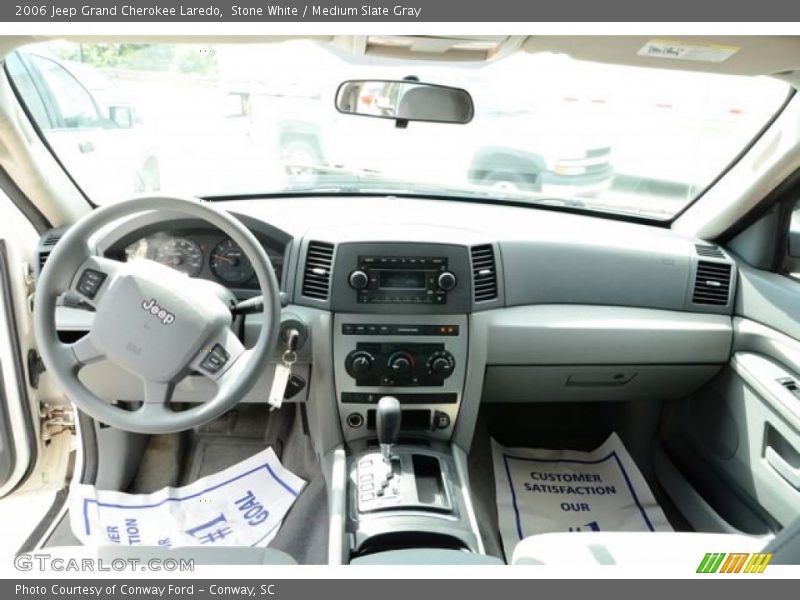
400,339
420,361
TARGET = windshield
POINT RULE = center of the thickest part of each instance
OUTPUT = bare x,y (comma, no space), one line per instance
248,119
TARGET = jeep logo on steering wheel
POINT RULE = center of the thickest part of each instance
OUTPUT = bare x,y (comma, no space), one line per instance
163,315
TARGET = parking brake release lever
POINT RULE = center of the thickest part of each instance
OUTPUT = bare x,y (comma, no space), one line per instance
387,422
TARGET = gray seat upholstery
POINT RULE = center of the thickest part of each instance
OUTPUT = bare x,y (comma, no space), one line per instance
786,545
231,555
426,556
630,548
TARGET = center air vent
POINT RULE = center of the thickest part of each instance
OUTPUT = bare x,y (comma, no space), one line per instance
708,250
484,273
712,283
317,272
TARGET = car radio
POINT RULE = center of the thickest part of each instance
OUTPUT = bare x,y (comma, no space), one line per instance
402,280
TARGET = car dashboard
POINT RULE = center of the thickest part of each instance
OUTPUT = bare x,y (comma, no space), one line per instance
446,305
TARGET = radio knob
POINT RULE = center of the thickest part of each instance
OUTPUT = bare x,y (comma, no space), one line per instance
446,281
358,280
359,363
401,364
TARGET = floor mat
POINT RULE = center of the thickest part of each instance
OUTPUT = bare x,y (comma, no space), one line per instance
215,454
242,505
541,491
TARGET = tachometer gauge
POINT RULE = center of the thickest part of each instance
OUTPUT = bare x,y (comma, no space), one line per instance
181,254
229,263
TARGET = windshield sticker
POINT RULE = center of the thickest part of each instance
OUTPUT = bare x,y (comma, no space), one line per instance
687,51
242,505
544,491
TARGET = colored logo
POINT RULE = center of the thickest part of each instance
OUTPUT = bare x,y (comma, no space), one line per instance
742,562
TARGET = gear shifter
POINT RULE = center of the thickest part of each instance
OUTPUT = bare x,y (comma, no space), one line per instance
388,425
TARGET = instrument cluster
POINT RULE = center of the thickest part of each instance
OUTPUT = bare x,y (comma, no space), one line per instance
204,254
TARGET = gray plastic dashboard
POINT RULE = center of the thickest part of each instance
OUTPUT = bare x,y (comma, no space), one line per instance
542,256
572,289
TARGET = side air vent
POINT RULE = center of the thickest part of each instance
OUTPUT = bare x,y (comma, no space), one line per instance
712,284
708,250
51,238
317,272
46,244
484,273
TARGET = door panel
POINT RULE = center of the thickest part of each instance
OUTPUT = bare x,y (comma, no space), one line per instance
738,438
19,412
761,392
769,430
10,453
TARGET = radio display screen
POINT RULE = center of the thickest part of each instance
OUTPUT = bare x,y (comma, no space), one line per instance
401,280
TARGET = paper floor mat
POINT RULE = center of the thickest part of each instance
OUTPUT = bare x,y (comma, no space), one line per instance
242,505
541,491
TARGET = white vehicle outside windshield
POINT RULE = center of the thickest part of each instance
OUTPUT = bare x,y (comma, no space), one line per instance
258,119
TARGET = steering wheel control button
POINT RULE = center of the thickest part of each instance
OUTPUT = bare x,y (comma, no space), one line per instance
216,359
90,282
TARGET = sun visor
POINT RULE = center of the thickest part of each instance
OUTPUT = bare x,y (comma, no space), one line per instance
734,55
456,48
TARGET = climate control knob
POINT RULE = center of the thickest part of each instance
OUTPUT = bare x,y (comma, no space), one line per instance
441,363
358,280
401,363
446,281
359,363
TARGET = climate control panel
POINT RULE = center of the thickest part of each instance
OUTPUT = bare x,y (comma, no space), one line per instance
421,360
399,364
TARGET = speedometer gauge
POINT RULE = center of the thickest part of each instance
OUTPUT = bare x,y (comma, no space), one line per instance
229,263
181,254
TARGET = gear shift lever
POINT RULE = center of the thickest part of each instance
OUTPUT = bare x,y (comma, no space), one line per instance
388,425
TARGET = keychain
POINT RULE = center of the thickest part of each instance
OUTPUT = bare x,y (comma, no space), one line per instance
283,371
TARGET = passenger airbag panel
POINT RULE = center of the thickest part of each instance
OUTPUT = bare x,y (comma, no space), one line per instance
597,384
557,334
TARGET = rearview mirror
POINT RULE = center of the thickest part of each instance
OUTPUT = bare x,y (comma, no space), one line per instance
405,101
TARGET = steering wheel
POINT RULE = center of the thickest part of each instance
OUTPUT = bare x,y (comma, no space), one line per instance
152,321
